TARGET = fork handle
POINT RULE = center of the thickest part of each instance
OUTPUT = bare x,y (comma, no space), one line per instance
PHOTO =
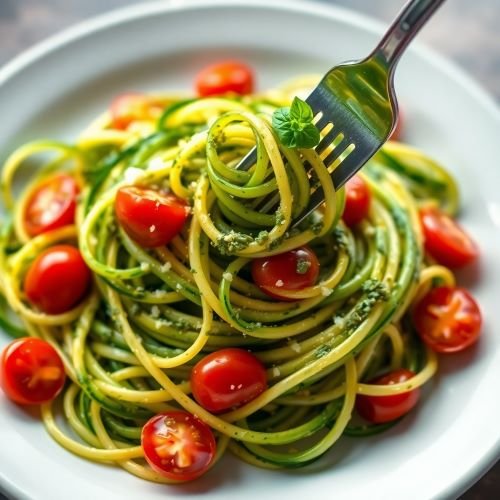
401,32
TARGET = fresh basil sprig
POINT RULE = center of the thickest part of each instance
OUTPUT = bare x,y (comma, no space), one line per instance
294,125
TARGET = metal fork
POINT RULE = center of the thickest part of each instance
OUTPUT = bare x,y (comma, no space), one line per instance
355,106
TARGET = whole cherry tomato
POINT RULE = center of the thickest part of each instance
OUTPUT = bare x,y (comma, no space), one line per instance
150,217
224,77
31,371
227,379
57,280
127,108
292,270
380,409
357,201
445,240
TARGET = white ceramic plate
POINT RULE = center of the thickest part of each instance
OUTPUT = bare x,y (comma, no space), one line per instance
54,89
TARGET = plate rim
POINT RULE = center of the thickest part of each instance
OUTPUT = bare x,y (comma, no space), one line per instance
150,7
129,13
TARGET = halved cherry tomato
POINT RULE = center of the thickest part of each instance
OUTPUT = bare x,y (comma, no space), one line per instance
380,409
227,379
357,201
128,107
293,270
150,217
223,77
448,319
57,280
51,205
31,371
178,445
445,240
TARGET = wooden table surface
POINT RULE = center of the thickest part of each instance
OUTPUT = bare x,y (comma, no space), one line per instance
467,31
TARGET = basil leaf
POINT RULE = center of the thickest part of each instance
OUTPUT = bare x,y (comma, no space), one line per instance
294,125
301,111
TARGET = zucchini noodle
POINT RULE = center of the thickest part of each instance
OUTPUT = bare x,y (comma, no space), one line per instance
130,346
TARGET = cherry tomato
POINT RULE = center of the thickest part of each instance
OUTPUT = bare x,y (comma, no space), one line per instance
398,129
57,280
178,445
293,270
31,371
445,240
357,201
150,217
227,379
380,409
51,205
223,77
127,108
448,319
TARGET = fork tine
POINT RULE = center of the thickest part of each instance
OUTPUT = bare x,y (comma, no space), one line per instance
340,145
327,140
248,160
321,121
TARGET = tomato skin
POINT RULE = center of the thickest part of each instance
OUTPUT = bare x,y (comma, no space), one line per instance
445,240
357,201
448,319
125,108
224,77
279,272
227,378
381,409
178,445
52,205
151,218
57,280
31,371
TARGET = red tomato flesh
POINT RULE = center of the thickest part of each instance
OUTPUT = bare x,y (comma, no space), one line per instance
57,280
290,271
448,319
445,240
381,409
357,201
224,77
31,371
178,445
127,108
227,379
51,205
150,217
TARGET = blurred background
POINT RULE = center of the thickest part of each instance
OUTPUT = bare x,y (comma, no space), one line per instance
466,31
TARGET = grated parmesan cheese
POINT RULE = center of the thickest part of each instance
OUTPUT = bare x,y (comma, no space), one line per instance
131,174
325,291
155,312
228,277
156,163
165,268
279,283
